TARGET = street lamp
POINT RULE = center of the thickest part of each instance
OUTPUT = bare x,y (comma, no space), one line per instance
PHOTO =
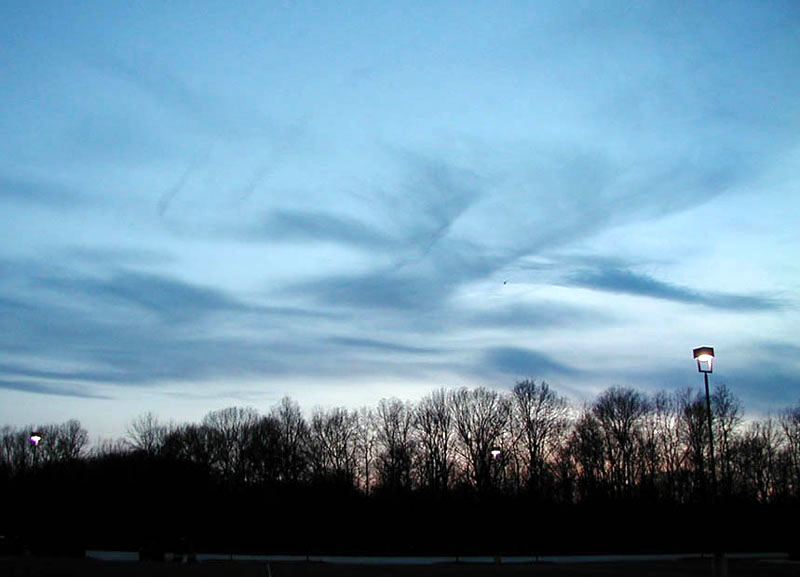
705,364
496,453
705,359
34,439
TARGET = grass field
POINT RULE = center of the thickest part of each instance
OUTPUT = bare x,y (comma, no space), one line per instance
68,567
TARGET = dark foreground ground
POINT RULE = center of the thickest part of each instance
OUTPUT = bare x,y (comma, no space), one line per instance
68,567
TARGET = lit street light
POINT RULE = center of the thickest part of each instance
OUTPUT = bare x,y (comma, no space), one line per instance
496,453
705,364
34,439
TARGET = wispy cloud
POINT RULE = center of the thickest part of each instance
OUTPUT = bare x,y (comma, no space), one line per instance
45,389
170,299
303,226
382,346
522,362
544,314
609,278
166,199
378,290
39,192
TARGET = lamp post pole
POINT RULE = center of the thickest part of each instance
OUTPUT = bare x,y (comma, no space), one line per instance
711,442
705,364
496,454
35,438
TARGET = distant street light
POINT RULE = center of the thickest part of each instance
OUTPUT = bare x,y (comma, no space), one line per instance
496,453
34,439
705,364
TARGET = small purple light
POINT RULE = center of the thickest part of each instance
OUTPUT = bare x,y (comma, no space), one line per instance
35,439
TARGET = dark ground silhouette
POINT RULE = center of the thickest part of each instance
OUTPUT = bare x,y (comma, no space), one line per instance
91,568
469,472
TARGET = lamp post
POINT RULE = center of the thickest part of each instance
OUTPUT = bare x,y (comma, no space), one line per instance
496,453
34,440
705,364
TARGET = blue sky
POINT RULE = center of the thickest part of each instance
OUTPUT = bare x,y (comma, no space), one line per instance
206,204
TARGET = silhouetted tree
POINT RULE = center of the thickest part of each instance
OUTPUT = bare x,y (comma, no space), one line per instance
433,424
63,442
15,448
192,443
393,420
586,451
333,447
293,440
366,441
620,412
228,432
667,458
694,435
146,434
261,451
107,447
790,424
540,420
480,418
726,411
754,458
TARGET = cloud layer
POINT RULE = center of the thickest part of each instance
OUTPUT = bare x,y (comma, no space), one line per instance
427,194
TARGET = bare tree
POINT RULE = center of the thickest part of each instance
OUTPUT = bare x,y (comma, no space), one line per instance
790,425
332,445
366,441
433,424
541,418
620,412
15,448
261,451
146,434
586,453
480,417
108,447
64,442
755,459
726,410
294,434
394,420
669,453
229,429
694,436
191,442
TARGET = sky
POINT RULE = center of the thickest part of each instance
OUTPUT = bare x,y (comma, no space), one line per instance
207,204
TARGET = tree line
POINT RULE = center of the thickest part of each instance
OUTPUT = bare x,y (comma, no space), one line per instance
530,445
623,445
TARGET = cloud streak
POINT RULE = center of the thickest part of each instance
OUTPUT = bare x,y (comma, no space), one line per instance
302,226
522,362
45,389
623,281
38,192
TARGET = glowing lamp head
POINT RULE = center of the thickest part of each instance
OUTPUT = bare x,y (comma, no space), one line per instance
35,439
705,359
495,452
